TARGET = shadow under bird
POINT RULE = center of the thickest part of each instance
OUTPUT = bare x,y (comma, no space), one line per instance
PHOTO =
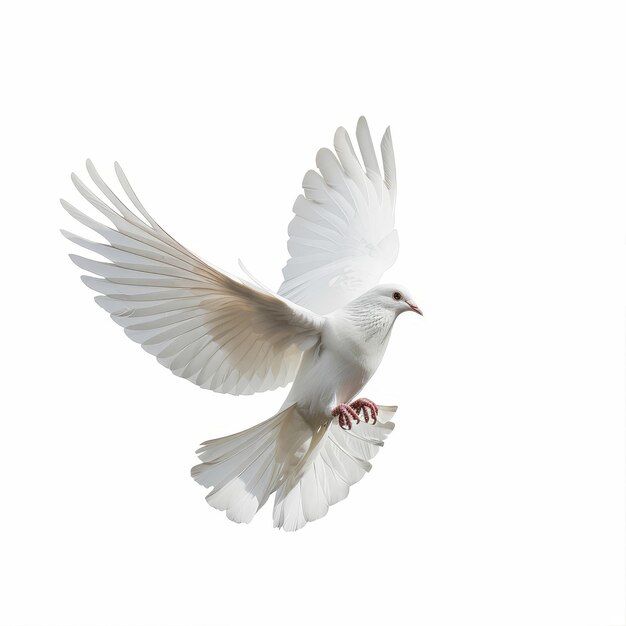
326,329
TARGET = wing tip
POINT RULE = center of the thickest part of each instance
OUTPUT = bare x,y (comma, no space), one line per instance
362,126
322,157
119,172
387,136
340,133
88,281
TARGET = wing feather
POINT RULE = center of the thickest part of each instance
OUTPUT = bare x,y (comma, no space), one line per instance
206,326
342,236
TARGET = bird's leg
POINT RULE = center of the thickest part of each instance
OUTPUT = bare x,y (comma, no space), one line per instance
370,410
345,413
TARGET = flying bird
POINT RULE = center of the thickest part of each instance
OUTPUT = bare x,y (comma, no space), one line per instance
326,329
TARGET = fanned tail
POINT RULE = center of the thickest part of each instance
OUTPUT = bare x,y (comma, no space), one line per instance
244,469
241,469
309,468
342,460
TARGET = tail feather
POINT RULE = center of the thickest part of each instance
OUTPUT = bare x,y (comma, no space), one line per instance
241,469
218,450
227,466
309,469
343,460
244,495
336,486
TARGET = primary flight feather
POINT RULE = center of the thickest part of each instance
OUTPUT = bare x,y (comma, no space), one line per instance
326,329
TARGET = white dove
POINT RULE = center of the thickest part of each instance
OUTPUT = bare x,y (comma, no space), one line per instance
326,329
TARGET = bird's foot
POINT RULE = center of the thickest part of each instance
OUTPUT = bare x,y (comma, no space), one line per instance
369,409
345,413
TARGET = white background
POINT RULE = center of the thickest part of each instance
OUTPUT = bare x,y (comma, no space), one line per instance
499,499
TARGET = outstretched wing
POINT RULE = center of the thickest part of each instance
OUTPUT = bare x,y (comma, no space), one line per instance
342,238
214,330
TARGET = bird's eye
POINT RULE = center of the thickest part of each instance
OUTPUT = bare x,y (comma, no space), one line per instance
397,295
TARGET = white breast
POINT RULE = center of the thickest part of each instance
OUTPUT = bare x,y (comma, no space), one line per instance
351,349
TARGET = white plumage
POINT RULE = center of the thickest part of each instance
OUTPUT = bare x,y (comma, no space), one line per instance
326,329
342,238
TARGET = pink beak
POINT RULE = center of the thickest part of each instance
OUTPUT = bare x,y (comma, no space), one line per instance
414,307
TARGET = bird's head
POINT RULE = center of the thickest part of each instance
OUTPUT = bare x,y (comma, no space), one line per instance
394,297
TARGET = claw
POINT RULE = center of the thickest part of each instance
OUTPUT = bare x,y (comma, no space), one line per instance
345,413
370,410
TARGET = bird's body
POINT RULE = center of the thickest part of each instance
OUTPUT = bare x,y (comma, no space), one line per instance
326,329
303,458
352,344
